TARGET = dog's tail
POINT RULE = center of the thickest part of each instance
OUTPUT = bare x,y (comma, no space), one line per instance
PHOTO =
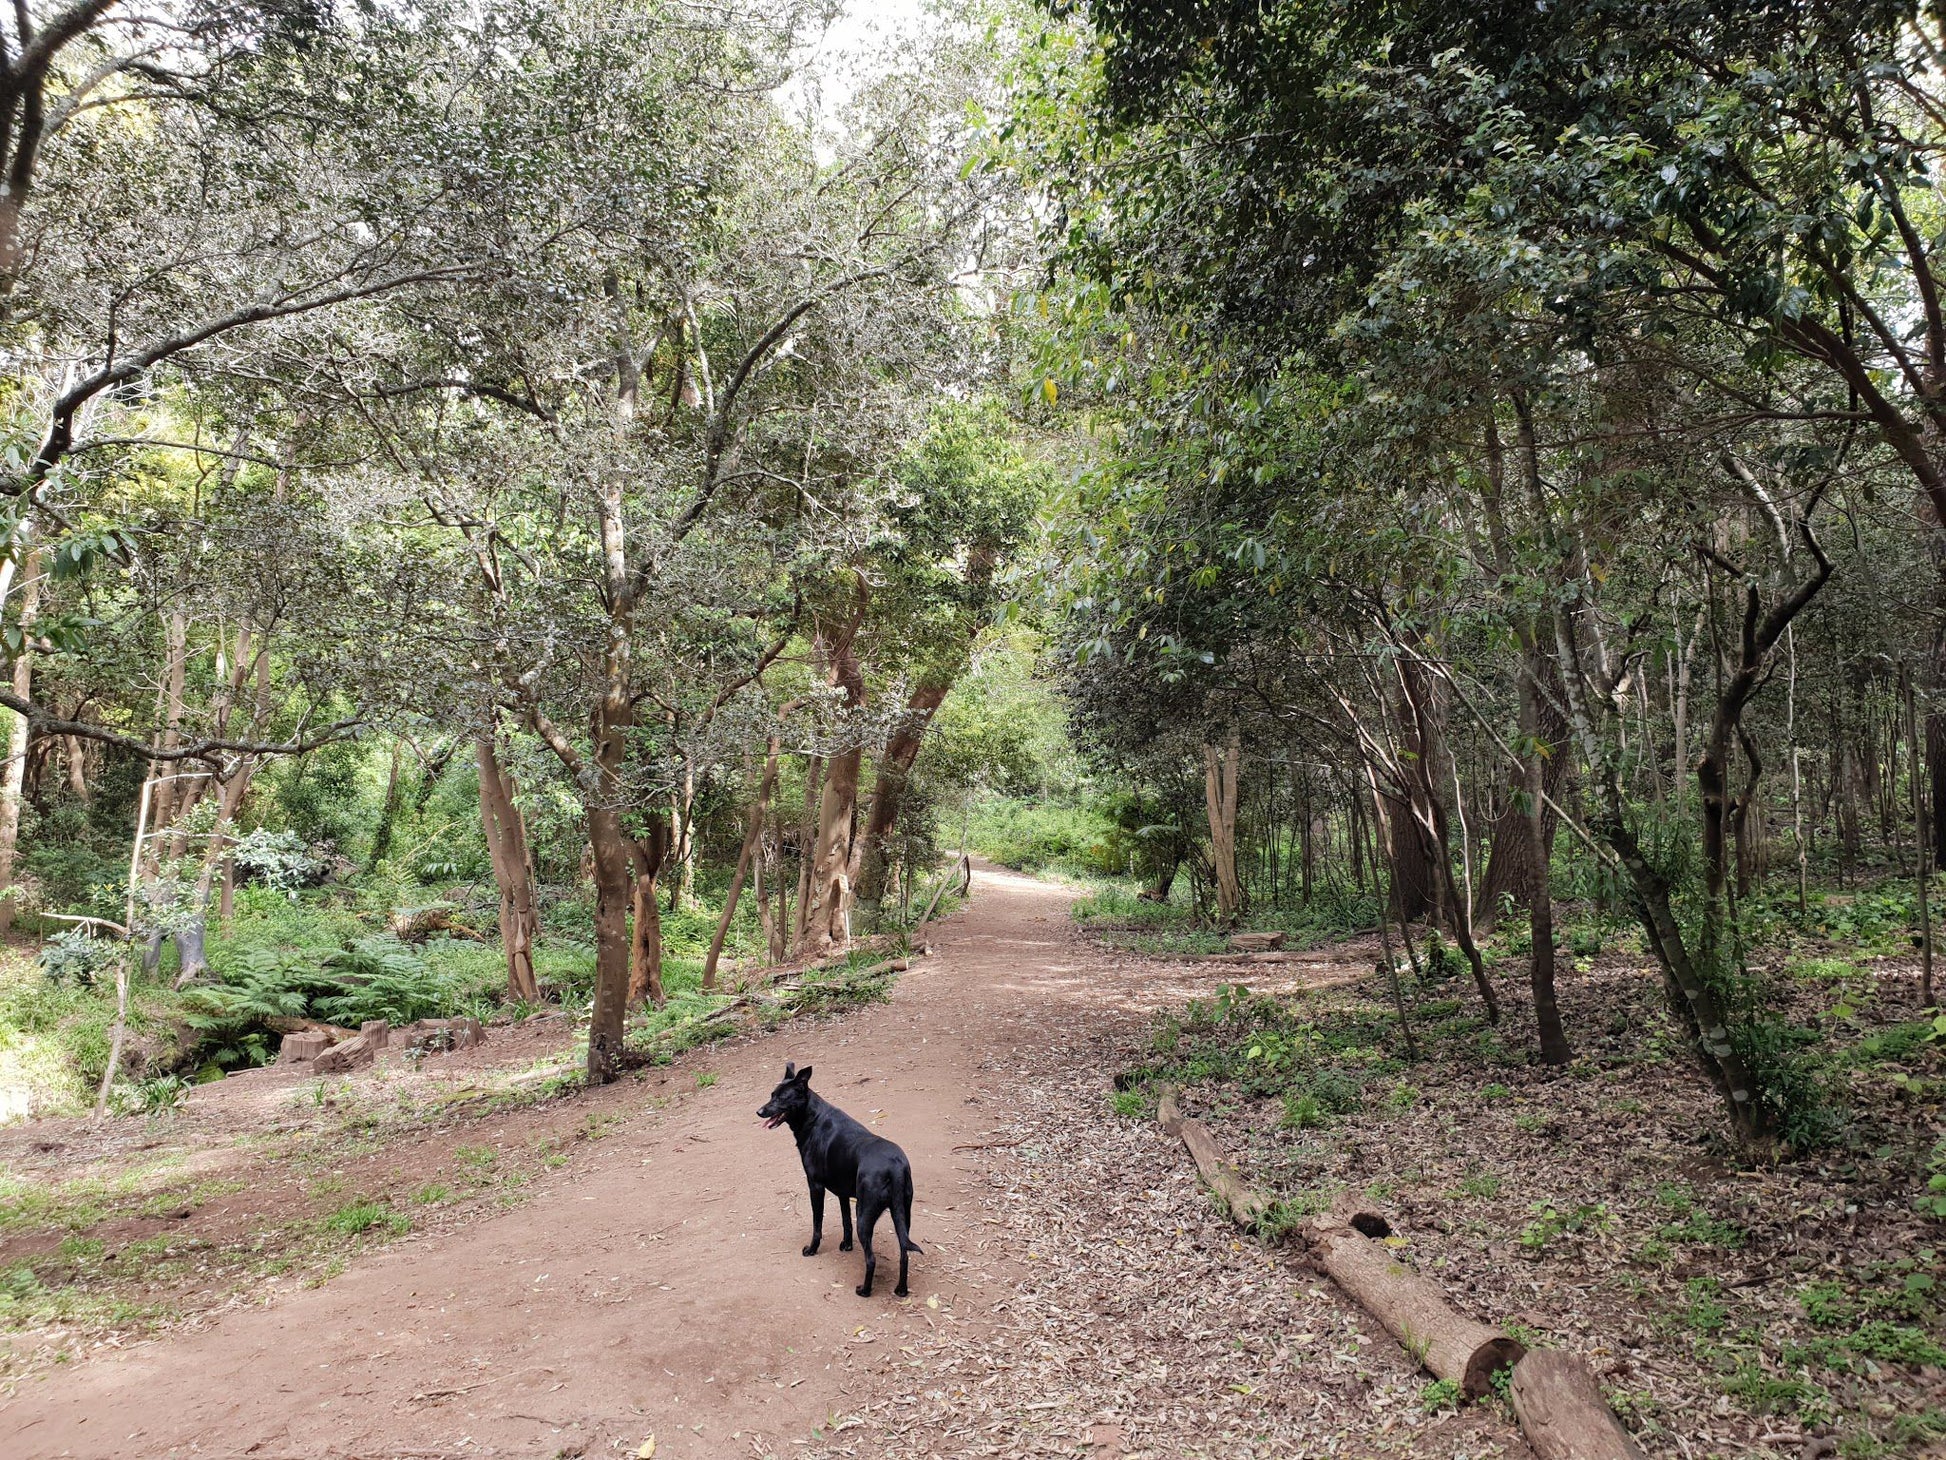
902,1215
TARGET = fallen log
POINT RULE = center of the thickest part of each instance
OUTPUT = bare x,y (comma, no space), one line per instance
1281,955
1563,1413
1413,1309
1247,1207
1555,1396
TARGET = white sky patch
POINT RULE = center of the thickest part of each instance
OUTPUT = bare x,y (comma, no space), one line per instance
858,46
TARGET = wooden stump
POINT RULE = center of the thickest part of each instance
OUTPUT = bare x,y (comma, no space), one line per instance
302,1045
1255,942
1563,1413
357,1052
1414,1310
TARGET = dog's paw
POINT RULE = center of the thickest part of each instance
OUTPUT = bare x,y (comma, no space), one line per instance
900,1291
864,1290
812,1250
846,1245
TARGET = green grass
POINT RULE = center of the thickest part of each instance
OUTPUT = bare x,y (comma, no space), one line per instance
358,1217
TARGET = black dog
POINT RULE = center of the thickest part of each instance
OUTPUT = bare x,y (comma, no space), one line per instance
842,1157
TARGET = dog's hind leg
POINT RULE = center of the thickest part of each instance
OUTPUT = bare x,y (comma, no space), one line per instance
844,1210
867,1219
901,1221
904,1218
817,1219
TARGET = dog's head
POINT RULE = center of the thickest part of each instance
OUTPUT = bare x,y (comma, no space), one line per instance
791,1097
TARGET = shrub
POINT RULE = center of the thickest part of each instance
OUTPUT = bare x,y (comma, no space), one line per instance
76,957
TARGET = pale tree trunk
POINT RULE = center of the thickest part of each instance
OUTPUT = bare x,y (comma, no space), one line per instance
1220,803
807,837
19,738
162,772
190,942
599,779
682,882
513,870
766,918
389,811
77,760
827,919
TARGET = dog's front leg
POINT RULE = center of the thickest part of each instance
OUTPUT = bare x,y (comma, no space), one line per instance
844,1210
817,1219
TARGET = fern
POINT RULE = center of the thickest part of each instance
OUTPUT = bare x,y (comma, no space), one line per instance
384,979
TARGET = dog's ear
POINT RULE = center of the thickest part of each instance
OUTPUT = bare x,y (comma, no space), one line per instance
790,1069
804,1077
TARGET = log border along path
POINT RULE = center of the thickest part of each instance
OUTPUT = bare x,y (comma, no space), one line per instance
1555,1395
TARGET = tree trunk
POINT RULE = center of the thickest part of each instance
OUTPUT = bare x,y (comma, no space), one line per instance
165,773
807,840
1220,803
827,921
682,852
870,850
77,762
18,740
1512,866
614,890
651,855
759,810
388,813
1555,1049
1563,1413
513,870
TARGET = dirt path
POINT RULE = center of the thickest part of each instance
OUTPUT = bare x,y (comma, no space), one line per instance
657,1290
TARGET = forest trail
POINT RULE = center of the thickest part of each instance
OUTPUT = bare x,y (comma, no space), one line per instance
657,1289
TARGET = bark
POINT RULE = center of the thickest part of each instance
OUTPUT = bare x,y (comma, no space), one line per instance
682,851
1220,803
1431,771
77,763
759,811
651,856
1512,867
1414,1310
827,919
807,838
162,811
1246,1206
614,880
871,850
513,870
1555,1049
1563,1413
389,811
19,738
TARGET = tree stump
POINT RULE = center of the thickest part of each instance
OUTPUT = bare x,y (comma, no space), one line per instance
1563,1413
1255,942
302,1045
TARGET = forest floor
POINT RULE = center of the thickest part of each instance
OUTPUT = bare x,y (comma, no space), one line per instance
459,1258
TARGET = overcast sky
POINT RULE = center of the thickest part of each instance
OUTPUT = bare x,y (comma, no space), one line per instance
863,30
